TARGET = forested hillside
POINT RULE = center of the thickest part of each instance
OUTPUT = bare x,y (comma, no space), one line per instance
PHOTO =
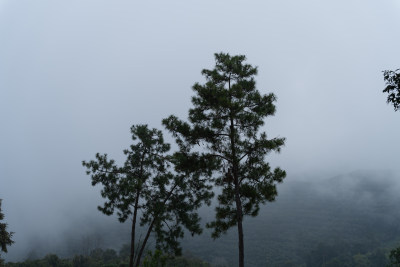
346,220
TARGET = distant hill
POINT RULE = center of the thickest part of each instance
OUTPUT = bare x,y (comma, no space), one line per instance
345,220
358,212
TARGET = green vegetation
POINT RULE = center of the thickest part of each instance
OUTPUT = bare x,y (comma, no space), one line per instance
343,254
5,236
315,219
110,258
158,259
150,186
395,257
357,211
228,112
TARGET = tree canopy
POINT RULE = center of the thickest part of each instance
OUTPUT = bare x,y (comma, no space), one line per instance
152,187
225,124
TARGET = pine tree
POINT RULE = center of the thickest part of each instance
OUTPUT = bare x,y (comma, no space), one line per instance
152,188
5,236
225,121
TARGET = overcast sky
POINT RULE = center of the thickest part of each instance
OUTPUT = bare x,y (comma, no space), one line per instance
75,75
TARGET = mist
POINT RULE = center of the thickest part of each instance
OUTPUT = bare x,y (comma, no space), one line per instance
74,76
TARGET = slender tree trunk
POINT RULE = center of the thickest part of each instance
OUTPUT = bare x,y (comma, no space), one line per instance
132,255
239,215
235,166
144,244
132,243
151,228
239,212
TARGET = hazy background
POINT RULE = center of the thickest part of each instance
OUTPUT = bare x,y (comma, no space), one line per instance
75,75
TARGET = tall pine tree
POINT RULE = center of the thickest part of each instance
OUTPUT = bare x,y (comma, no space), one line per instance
225,121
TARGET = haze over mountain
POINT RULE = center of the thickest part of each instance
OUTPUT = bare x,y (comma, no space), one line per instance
75,75
355,208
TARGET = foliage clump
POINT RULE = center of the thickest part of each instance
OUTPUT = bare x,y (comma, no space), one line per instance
394,257
5,236
392,79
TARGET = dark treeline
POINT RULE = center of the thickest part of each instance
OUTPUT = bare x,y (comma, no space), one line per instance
110,258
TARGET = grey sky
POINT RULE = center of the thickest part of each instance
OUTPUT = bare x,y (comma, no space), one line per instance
75,75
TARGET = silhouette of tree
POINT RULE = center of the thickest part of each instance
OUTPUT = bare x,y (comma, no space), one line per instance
150,186
225,121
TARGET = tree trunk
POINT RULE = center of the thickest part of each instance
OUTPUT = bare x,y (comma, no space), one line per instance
239,215
132,255
235,163
144,244
132,244
151,228
239,212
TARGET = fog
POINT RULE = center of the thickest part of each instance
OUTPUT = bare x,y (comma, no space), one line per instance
75,75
